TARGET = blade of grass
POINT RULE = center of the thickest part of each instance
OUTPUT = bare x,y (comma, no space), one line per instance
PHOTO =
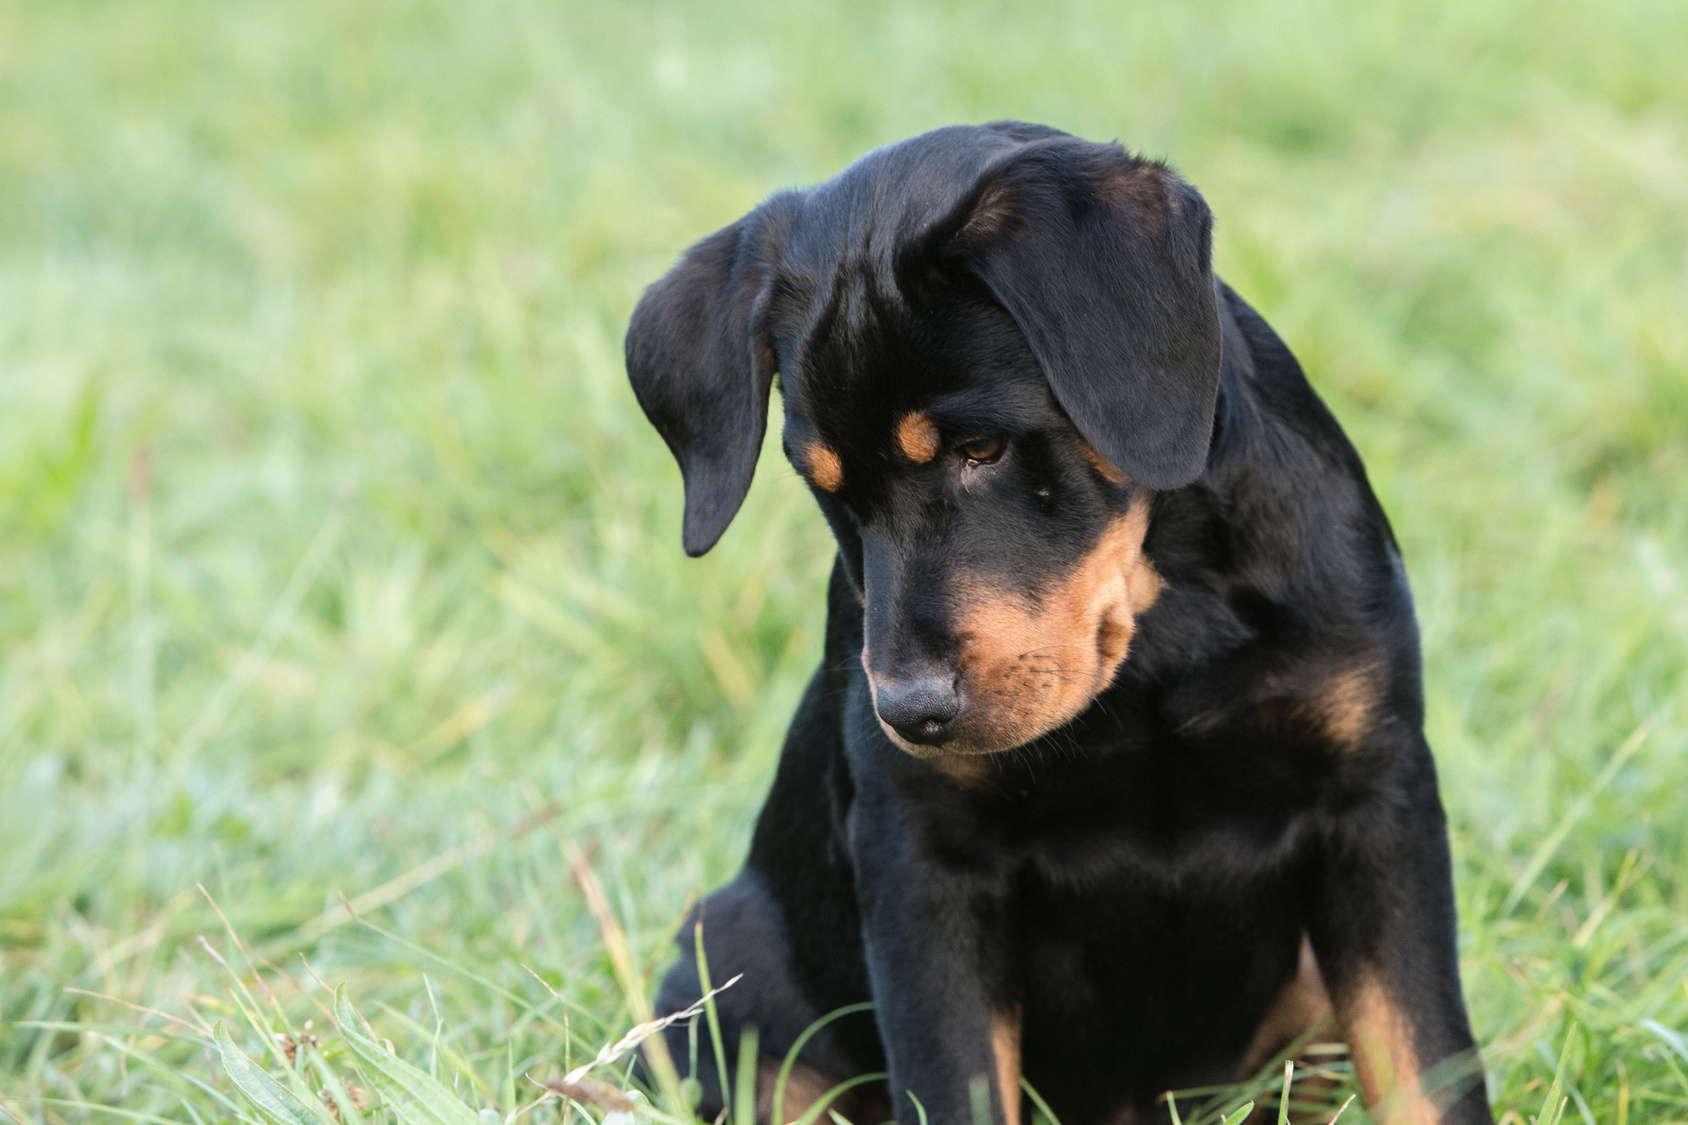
139,1008
115,1111
744,1099
627,974
777,1114
813,1113
338,1092
276,625
979,1099
423,873
1049,1114
1553,1105
414,1098
244,1002
485,982
712,1016
456,1060
273,1104
1579,809
146,1059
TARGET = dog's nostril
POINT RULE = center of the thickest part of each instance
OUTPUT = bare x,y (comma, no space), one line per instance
922,711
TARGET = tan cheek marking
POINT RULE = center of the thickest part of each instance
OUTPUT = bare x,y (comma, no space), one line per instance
1347,705
1300,1007
1005,1045
1029,668
1109,471
1380,1043
917,437
824,467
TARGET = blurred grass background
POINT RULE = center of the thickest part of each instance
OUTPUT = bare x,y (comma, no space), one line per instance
333,548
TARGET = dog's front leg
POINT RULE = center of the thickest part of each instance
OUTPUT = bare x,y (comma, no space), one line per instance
1381,918
933,935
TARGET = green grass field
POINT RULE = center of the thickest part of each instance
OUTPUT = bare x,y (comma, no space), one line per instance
337,565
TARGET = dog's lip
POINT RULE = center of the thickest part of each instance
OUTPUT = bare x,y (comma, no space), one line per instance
956,747
930,732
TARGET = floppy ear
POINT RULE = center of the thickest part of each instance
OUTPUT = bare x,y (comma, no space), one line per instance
1104,262
701,365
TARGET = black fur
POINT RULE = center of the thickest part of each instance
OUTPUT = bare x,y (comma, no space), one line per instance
1137,881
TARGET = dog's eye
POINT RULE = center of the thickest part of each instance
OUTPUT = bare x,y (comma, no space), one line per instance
983,451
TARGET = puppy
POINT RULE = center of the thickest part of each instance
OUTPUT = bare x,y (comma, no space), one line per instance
1113,776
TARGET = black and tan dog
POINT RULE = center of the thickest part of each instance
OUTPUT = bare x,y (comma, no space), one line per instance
1113,774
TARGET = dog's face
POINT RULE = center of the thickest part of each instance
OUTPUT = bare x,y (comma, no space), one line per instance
992,343
996,553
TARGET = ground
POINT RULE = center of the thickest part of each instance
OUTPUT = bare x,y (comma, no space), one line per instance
336,560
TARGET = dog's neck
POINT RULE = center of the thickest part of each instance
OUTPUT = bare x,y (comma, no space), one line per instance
1268,524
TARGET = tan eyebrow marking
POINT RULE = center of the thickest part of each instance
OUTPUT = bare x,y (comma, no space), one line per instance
917,435
824,467
1110,471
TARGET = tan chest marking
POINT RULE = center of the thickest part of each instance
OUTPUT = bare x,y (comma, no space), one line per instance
1348,704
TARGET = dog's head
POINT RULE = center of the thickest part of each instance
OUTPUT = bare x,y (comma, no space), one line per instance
993,342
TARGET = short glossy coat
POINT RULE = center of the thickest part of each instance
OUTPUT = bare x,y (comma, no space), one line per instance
1113,773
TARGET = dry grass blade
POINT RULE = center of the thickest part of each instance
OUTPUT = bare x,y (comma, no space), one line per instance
198,1029
588,1092
639,1033
144,940
399,886
280,619
632,987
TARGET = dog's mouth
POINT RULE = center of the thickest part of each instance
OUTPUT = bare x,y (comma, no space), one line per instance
1024,667
996,700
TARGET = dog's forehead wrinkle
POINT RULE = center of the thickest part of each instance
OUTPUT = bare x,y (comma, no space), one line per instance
841,318
866,362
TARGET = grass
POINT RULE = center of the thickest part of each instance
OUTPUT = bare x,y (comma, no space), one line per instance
336,561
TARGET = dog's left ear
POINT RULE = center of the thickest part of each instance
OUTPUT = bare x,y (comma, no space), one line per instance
1104,261
701,364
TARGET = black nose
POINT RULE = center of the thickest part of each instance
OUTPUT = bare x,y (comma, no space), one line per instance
922,711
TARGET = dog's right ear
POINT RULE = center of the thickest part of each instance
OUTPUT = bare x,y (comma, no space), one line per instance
701,364
1104,260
